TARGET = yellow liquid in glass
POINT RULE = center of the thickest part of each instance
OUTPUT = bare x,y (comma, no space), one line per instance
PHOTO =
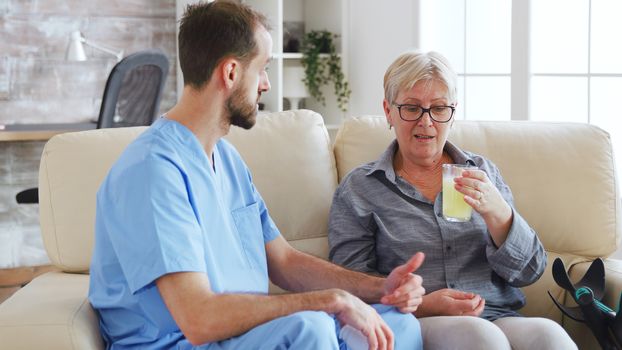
454,206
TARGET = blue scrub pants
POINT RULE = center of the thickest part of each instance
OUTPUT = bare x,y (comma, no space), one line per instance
315,330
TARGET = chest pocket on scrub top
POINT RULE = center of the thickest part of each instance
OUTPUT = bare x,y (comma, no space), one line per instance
248,226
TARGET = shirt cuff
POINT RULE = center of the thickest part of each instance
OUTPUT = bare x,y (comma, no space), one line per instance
514,254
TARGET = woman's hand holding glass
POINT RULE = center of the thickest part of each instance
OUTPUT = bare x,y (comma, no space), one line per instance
484,197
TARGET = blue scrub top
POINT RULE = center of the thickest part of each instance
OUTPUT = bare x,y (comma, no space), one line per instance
163,208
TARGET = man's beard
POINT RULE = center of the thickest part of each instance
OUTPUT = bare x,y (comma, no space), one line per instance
241,112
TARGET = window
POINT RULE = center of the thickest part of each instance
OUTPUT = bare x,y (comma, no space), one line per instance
547,60
461,31
577,63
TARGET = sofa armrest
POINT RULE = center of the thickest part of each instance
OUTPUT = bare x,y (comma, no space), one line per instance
613,287
51,312
613,282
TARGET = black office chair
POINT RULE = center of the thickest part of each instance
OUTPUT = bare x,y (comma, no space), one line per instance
131,98
133,90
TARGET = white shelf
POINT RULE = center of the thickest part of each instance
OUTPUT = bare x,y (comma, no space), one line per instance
298,55
316,15
292,55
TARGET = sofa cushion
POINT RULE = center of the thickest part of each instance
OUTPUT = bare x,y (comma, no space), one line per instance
292,163
360,140
73,165
51,312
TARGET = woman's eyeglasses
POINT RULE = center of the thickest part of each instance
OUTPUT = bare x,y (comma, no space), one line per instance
412,113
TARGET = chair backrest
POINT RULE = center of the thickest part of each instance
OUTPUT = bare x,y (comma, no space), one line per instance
133,90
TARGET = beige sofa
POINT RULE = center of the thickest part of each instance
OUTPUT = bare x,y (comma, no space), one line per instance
562,176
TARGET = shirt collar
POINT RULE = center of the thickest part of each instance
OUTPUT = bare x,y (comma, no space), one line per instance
385,162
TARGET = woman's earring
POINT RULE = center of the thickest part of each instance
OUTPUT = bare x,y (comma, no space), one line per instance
390,126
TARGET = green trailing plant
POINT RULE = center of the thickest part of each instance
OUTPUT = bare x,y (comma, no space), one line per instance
321,70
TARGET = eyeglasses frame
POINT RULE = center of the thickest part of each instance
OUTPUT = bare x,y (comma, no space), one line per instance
423,111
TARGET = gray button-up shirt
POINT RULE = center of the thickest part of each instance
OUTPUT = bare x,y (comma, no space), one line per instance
379,220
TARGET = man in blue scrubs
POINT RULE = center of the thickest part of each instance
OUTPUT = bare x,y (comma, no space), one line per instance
185,246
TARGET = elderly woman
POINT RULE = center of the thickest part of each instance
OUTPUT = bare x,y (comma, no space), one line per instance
385,211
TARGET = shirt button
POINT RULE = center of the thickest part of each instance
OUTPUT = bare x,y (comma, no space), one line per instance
439,215
448,248
451,285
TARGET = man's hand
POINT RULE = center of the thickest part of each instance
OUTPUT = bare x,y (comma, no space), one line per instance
402,288
451,302
356,313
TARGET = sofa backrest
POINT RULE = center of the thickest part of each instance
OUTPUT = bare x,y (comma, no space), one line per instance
289,155
291,159
561,174
72,167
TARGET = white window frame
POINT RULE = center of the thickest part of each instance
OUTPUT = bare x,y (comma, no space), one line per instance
520,67
520,72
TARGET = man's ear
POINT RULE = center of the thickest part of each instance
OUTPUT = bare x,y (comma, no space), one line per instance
230,71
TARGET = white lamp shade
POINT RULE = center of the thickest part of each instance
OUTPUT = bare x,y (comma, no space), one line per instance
293,86
75,50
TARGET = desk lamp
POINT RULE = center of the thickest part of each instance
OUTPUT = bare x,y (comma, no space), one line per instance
75,50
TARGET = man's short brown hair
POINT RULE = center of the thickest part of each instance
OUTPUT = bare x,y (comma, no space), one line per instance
209,32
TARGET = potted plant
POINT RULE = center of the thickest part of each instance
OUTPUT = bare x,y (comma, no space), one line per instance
323,69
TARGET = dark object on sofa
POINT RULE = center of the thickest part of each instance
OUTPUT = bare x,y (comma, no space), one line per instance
605,323
131,98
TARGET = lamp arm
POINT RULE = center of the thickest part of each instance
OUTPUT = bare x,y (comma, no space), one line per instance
118,54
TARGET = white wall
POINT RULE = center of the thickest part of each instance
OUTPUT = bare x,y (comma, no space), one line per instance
379,31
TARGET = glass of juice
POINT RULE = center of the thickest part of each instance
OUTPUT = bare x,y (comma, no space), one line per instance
455,209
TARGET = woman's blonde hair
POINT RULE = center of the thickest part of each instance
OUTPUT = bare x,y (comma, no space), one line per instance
414,66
